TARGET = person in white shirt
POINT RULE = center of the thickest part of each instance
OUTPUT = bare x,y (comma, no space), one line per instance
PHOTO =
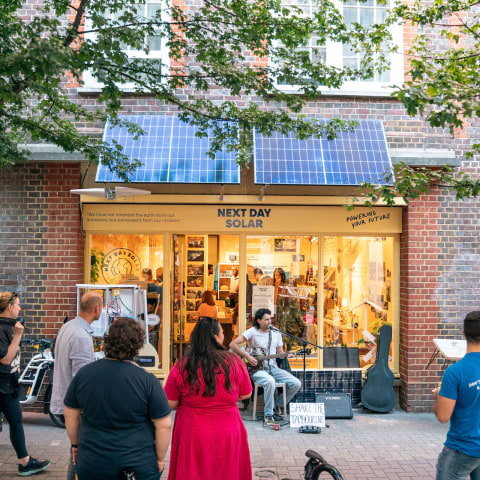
270,343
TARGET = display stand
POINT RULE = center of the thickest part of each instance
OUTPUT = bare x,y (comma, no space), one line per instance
306,428
302,351
451,350
118,301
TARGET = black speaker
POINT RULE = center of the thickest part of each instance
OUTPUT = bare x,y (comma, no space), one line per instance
337,405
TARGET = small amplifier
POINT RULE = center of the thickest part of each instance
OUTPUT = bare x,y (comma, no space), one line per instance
337,405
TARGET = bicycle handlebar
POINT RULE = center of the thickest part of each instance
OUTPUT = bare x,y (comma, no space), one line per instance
43,343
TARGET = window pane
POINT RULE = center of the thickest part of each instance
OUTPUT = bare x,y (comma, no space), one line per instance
154,42
132,259
366,16
358,283
350,15
152,9
282,276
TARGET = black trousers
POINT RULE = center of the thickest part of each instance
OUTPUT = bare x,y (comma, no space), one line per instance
10,406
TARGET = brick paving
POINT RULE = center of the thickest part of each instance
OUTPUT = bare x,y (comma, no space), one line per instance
392,446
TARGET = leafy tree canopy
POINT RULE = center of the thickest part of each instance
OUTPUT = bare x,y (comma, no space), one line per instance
222,45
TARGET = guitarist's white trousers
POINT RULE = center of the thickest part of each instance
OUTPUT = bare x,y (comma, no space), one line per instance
267,381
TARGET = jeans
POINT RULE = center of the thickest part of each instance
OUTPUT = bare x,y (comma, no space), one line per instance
10,407
454,465
140,474
267,381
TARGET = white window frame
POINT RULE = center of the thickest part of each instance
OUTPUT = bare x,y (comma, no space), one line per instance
334,57
92,84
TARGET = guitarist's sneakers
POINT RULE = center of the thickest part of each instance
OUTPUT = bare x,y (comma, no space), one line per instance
268,421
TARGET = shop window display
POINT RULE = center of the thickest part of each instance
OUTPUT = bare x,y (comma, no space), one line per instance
358,282
282,276
132,259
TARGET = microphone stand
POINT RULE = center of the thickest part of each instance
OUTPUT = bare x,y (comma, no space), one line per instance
303,351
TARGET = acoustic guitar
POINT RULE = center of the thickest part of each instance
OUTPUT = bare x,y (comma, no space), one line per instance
377,393
261,358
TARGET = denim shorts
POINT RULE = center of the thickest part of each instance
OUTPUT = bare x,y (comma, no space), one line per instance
455,465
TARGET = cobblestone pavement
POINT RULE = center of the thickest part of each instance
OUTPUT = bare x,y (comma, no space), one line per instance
396,445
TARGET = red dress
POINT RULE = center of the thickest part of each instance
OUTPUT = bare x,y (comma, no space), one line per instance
209,438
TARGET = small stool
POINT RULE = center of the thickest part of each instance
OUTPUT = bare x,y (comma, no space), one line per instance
255,395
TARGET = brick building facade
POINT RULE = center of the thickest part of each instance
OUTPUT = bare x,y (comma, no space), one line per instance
42,244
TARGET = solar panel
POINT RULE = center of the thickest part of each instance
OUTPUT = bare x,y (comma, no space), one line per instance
170,153
350,159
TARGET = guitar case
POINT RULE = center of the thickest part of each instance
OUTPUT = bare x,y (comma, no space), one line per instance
377,393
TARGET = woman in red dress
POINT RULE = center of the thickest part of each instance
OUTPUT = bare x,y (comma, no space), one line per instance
209,438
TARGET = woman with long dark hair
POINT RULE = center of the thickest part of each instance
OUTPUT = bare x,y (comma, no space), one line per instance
209,438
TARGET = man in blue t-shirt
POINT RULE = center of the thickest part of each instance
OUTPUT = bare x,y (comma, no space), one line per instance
458,400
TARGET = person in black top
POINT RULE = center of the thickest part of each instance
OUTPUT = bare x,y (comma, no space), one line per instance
11,331
123,412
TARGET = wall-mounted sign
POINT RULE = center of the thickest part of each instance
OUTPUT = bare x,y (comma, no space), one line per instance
119,263
256,220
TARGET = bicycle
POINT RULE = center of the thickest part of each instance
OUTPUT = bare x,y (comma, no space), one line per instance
316,465
33,376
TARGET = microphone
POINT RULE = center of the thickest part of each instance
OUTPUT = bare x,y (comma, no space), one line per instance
271,327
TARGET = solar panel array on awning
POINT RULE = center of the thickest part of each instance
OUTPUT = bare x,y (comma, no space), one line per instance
170,153
350,159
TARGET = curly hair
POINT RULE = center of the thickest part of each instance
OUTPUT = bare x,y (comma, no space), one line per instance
124,340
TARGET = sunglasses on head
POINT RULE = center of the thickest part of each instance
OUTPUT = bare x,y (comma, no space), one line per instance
13,296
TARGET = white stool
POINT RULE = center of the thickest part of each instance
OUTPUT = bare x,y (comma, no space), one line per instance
255,395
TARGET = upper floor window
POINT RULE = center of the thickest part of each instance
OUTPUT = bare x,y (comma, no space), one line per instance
341,55
153,47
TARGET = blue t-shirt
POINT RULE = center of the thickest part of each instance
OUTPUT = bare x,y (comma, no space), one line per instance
461,382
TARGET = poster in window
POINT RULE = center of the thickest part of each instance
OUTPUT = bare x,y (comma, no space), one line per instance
263,297
285,244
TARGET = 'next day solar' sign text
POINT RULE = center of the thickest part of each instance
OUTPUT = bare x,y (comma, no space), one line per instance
244,217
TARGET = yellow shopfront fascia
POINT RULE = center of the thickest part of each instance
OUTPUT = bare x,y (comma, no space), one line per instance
247,217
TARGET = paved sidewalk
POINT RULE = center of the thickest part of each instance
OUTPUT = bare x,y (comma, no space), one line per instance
396,445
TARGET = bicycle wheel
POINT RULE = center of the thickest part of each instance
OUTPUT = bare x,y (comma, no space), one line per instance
58,420
328,469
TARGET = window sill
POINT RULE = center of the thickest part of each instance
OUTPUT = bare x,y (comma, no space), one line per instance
385,92
96,89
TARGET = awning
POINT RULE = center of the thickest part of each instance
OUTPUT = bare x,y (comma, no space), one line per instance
350,159
170,153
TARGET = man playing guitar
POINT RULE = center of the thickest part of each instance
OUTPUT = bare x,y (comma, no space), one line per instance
270,342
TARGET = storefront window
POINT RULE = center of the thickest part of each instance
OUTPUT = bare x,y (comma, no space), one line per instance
132,260
282,276
358,285
205,283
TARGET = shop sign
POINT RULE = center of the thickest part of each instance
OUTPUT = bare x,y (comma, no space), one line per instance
244,217
120,262
241,218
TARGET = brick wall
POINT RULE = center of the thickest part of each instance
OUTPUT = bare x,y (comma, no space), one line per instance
440,283
41,242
